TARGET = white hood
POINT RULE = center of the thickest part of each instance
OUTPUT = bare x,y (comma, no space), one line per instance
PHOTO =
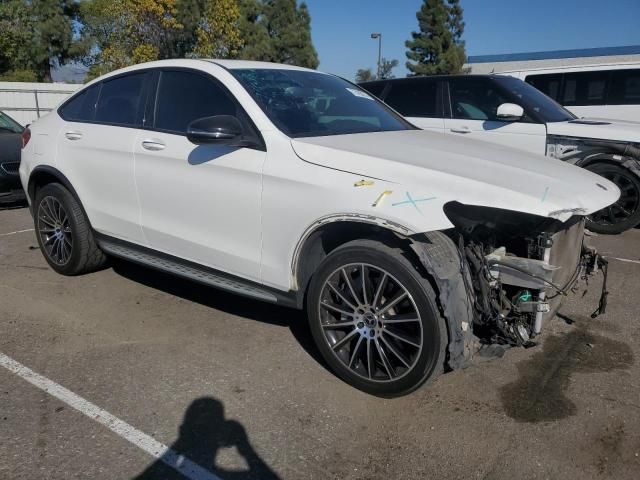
597,128
464,170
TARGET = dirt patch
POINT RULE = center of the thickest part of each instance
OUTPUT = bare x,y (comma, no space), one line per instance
539,395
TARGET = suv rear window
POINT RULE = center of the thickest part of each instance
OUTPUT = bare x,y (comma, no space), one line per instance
120,100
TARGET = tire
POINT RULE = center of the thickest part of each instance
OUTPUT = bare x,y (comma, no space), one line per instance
406,340
625,213
63,232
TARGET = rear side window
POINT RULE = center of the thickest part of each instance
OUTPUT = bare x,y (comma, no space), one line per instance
120,101
185,96
625,87
82,107
585,88
549,84
414,98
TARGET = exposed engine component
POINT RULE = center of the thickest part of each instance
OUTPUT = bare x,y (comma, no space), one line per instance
514,281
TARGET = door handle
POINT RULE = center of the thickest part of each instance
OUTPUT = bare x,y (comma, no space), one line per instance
73,135
153,145
461,130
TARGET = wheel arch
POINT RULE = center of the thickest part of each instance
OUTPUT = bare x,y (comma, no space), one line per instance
45,174
329,232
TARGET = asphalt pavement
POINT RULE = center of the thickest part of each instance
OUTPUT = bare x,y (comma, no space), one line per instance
102,370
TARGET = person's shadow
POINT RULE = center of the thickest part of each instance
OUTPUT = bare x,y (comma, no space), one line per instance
203,432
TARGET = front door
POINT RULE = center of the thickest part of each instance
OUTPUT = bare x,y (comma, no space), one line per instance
199,202
474,104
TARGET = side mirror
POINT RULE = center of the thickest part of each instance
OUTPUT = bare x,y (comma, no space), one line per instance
220,129
510,112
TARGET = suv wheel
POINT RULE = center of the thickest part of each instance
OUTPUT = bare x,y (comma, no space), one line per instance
625,213
375,320
63,232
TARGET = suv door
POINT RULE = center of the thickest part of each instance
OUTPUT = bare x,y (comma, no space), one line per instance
419,100
95,151
199,202
474,103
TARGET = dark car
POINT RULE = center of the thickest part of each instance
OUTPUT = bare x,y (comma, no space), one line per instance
508,111
10,144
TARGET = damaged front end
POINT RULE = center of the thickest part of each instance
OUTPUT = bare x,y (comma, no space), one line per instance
510,272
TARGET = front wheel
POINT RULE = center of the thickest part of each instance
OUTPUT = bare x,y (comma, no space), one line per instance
375,319
625,212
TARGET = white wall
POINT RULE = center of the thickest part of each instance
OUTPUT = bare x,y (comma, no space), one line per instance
498,67
18,99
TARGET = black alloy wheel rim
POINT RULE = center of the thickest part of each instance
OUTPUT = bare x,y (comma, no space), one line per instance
370,322
54,230
625,206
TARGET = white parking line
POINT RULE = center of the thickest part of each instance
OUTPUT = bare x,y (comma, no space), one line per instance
16,232
140,439
625,260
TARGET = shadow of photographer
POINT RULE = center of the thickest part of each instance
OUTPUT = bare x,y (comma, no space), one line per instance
204,431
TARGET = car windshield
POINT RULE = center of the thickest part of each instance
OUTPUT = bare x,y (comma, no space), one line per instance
8,124
312,104
532,99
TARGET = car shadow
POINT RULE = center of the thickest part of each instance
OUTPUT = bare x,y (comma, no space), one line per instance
204,431
294,320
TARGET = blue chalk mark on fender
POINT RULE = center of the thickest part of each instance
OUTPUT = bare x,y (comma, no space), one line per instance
544,195
412,201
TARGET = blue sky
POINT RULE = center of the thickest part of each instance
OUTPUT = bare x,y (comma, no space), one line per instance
341,29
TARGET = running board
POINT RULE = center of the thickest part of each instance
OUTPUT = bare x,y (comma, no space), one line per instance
188,270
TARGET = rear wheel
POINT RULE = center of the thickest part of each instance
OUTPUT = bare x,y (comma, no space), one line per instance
625,212
63,232
375,319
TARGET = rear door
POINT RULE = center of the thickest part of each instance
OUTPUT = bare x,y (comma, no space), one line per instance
95,151
419,100
473,104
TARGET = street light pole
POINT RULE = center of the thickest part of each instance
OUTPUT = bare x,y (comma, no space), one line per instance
379,37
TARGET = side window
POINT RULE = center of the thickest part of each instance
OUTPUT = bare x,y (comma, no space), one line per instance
474,98
185,96
82,107
375,89
120,100
585,88
549,84
414,98
625,87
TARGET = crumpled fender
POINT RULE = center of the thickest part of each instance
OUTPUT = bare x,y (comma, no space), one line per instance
442,260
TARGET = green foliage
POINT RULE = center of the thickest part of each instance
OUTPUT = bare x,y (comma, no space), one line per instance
38,35
437,47
386,68
386,71
126,32
218,32
277,31
19,76
253,30
365,75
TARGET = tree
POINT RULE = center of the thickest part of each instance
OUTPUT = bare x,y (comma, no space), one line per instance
437,47
254,33
218,33
365,75
126,32
289,29
386,67
38,35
